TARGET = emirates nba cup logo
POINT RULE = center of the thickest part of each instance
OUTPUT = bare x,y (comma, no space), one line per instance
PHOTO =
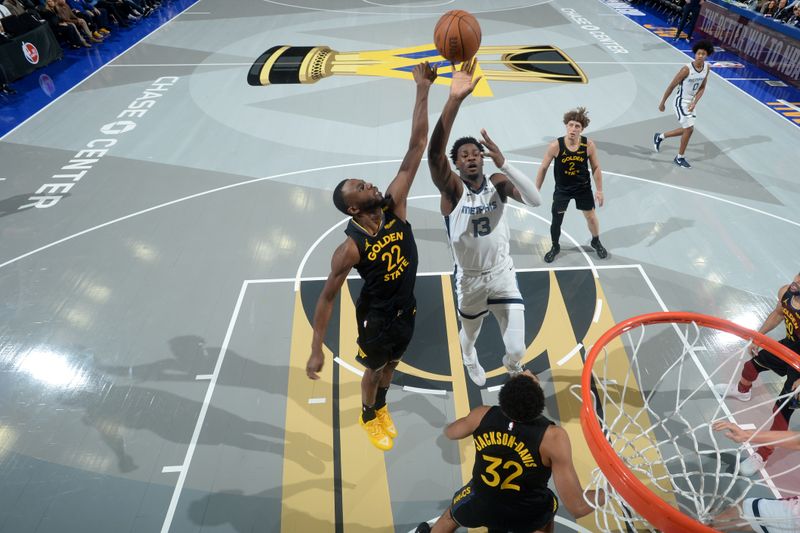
31,53
308,64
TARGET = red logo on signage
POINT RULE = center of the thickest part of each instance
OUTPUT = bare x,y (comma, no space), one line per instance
31,53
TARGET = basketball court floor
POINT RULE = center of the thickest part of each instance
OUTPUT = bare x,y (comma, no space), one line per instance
157,298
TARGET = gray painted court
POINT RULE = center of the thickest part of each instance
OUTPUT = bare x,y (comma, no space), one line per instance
149,314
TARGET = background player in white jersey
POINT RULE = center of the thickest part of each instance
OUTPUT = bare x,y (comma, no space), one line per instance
473,207
690,82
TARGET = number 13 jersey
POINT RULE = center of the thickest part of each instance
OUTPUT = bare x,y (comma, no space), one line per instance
476,230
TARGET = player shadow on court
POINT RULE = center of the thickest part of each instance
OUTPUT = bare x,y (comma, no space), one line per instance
420,406
116,409
12,204
259,512
634,151
191,357
647,233
711,150
698,150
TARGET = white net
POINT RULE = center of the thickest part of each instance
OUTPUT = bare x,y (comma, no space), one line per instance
655,402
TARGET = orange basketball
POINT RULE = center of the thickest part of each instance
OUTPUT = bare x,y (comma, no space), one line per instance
457,36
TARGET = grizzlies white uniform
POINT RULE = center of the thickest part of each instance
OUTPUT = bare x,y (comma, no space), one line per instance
479,239
686,91
772,516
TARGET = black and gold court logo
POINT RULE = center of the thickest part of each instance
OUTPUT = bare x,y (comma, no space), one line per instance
308,64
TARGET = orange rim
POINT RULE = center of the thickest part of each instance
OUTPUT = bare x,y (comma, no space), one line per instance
655,510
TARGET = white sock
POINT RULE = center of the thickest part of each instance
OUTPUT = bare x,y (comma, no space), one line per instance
680,156
661,137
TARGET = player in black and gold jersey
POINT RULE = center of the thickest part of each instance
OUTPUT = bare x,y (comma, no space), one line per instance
380,245
516,451
788,312
573,154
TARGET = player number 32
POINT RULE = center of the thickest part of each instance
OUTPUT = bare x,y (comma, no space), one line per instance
494,478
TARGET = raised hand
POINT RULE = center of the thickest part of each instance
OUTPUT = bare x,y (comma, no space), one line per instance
463,84
492,150
424,74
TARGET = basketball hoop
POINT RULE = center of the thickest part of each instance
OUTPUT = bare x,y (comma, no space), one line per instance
659,460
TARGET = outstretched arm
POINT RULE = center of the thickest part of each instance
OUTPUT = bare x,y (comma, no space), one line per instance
781,439
464,426
344,259
679,77
552,152
398,189
597,174
443,177
512,183
556,446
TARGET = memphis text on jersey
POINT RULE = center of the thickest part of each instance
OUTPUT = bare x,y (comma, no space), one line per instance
501,438
396,262
479,209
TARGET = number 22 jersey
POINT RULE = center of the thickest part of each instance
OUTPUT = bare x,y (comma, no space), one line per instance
388,263
476,230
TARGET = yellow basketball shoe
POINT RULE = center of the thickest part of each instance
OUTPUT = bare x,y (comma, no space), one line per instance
377,435
386,421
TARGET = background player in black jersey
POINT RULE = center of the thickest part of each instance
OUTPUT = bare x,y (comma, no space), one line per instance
516,450
788,312
573,153
380,245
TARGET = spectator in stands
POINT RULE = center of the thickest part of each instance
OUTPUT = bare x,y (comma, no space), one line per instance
64,30
116,14
690,13
65,14
97,23
101,14
5,88
770,7
795,18
779,8
4,37
15,7
786,13
126,10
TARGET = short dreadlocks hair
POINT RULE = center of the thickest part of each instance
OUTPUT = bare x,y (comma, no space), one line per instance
578,115
522,399
461,142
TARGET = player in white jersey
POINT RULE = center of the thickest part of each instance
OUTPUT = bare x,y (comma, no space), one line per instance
690,82
473,207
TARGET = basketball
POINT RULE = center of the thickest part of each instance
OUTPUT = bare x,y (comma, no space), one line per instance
457,36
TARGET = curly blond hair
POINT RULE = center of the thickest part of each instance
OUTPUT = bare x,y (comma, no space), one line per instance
578,115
